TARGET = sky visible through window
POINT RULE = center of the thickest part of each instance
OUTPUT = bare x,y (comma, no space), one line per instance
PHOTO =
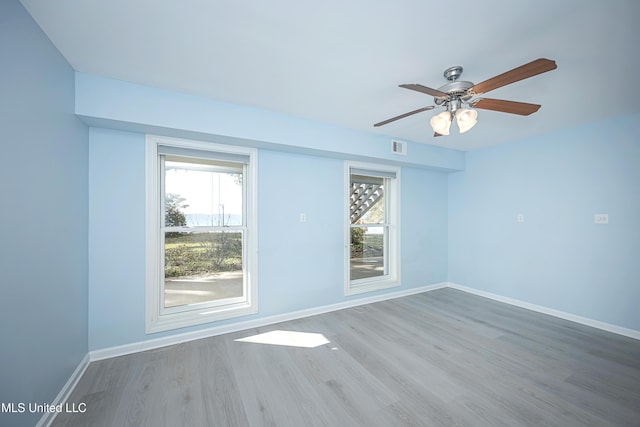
212,198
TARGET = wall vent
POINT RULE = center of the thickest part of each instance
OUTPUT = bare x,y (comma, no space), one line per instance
399,147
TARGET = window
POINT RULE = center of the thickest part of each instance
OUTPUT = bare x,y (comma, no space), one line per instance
201,228
372,231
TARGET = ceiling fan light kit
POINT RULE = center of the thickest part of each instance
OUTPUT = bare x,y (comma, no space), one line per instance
441,123
466,119
454,94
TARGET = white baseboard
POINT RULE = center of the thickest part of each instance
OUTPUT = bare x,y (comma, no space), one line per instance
155,343
64,394
151,344
631,333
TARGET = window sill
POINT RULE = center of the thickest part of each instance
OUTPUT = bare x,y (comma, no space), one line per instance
184,319
370,286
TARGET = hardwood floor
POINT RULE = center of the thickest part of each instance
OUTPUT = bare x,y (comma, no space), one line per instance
442,358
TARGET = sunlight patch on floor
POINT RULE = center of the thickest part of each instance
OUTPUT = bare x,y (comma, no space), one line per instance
288,338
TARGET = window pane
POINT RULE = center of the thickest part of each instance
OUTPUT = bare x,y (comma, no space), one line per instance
202,194
367,200
367,252
202,267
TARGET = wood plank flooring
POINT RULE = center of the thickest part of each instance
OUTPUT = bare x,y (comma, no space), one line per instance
442,358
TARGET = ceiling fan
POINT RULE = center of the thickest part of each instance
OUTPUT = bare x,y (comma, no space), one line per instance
454,94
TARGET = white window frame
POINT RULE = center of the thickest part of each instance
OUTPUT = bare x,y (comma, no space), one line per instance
392,207
157,317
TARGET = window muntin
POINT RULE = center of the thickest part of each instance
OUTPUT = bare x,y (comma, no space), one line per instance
201,244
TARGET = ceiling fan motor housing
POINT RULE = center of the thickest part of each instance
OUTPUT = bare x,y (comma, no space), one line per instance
456,89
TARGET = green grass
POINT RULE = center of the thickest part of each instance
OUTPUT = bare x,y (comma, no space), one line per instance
195,254
366,245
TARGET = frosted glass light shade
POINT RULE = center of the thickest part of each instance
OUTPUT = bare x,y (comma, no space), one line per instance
441,123
466,119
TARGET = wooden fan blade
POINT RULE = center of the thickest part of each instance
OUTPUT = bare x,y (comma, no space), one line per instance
533,68
521,108
402,116
436,134
425,89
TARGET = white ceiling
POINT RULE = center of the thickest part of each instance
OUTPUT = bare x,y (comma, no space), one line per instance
341,61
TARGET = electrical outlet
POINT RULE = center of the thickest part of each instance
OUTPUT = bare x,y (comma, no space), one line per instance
520,218
303,217
601,218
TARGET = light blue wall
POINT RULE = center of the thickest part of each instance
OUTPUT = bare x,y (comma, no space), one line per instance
116,235
121,105
557,258
300,264
43,212
459,227
424,226
300,169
